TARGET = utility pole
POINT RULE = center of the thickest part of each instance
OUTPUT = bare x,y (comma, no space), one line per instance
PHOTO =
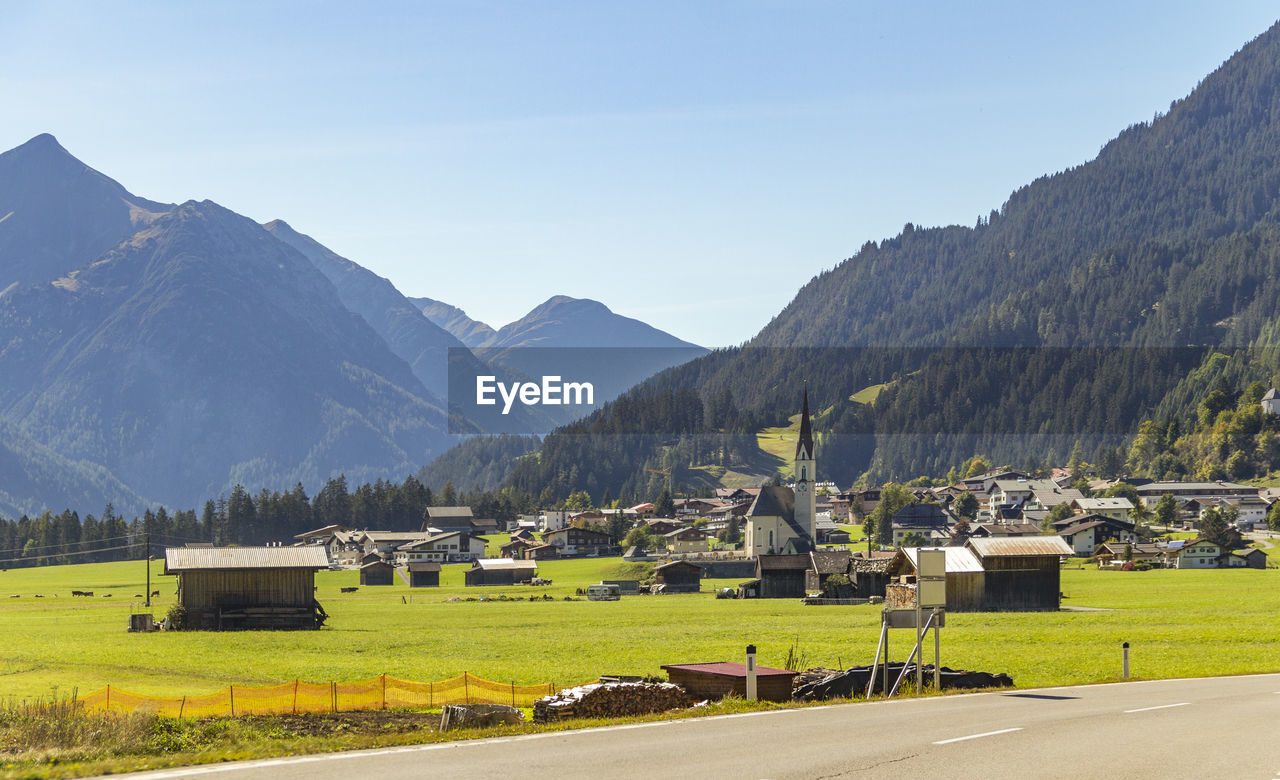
147,520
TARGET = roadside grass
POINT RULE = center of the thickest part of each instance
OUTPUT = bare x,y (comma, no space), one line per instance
1180,623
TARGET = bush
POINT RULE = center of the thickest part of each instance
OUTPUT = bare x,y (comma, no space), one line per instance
177,617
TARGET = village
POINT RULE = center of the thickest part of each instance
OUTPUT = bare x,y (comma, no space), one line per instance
1005,533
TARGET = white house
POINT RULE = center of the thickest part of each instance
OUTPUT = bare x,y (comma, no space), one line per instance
1195,554
453,546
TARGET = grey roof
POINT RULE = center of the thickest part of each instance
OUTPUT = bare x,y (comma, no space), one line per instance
782,562
778,502
1094,504
958,559
922,515
830,561
310,556
1020,545
449,512
424,566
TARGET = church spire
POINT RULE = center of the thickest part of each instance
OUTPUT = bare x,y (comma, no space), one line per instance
804,446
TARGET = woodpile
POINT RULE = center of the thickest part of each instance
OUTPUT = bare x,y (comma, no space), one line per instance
611,700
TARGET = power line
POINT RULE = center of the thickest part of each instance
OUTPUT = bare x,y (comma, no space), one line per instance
66,555
69,544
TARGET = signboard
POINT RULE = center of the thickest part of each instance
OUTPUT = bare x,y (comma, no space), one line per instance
906,618
931,578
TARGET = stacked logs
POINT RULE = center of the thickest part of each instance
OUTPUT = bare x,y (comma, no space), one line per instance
611,700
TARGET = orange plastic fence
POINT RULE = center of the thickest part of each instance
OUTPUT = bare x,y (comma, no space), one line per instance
378,693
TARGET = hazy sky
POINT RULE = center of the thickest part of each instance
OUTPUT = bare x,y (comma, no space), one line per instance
688,163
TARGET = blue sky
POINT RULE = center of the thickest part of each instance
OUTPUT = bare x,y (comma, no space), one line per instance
691,164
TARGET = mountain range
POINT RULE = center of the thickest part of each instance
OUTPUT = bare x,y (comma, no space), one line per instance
1075,311
161,353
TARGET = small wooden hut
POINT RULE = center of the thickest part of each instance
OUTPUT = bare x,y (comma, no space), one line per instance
500,571
424,575
678,577
248,587
377,572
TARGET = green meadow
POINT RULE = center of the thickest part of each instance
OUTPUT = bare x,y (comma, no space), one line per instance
1179,623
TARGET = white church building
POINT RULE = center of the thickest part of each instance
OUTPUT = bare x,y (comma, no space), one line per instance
783,519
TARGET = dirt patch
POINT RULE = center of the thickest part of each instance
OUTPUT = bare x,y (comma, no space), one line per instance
329,724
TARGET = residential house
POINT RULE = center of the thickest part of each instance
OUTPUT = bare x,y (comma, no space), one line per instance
1249,557
1093,530
1116,508
1152,492
686,540
1194,554
444,519
573,542
452,546
1112,554
384,543
929,521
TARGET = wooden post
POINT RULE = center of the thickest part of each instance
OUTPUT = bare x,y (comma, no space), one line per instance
295,696
231,689
384,690
466,688
431,694
182,706
513,693
333,693
108,698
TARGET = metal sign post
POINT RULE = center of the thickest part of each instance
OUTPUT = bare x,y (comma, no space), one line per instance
931,593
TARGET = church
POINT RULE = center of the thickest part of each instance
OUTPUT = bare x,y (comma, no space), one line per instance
782,519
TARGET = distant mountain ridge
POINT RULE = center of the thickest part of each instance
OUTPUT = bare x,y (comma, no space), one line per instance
1169,238
471,332
162,353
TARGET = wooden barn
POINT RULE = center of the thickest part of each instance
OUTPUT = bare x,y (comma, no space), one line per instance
869,573
248,587
678,577
423,575
965,577
781,576
1022,574
823,565
500,571
377,572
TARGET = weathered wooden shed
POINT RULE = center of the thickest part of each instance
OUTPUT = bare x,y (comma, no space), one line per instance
678,577
782,576
717,680
248,587
965,577
1021,574
825,564
425,574
499,571
377,572
869,573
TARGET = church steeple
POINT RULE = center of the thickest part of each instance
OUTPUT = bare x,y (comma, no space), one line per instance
804,446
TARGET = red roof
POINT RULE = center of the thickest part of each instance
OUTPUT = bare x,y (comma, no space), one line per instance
722,669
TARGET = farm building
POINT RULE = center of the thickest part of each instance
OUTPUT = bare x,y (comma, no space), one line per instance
717,680
781,576
377,572
447,519
965,577
248,587
1021,574
678,577
869,573
423,575
823,565
500,571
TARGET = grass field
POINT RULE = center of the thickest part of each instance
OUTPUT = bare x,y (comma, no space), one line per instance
1179,623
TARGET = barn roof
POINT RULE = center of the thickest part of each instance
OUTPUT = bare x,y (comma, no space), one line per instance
673,564
782,562
449,512
723,669
502,564
424,566
178,559
1020,545
960,560
831,561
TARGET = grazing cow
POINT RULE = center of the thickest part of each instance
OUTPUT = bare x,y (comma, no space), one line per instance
349,590
155,593
77,593
106,595
39,595
14,596
139,596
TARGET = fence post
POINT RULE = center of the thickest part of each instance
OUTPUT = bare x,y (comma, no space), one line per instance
333,690
466,688
295,696
108,698
513,693
431,694
182,706
231,689
384,690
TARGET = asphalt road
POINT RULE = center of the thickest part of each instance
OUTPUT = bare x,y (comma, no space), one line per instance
1201,728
